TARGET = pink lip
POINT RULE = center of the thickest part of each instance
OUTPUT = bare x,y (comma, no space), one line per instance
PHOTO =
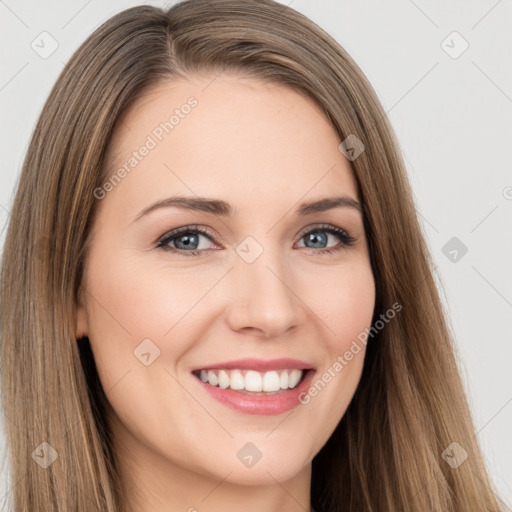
265,405
260,365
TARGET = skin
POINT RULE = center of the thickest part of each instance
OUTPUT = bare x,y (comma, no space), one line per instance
263,148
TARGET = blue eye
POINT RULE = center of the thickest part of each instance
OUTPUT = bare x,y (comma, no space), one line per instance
186,240
317,235
186,237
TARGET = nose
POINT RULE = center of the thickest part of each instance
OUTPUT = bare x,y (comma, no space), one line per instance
262,298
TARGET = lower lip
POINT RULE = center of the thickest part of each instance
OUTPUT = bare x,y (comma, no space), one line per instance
266,405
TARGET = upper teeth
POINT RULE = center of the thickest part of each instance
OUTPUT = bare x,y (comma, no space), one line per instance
251,380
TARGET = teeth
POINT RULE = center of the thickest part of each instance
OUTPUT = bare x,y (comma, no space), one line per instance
271,381
284,380
253,381
250,380
223,380
212,378
237,380
294,378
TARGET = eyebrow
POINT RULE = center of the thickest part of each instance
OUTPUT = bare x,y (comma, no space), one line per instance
223,209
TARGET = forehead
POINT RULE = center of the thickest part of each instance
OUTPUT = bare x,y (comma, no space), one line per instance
228,137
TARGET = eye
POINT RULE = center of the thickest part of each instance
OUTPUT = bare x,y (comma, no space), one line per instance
317,236
183,239
186,241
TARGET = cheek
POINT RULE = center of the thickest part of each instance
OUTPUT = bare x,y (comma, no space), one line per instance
344,304
134,300
134,309
345,309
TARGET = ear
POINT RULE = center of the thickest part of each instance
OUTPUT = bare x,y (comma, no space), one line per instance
82,324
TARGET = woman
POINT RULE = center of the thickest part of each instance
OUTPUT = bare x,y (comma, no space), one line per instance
255,370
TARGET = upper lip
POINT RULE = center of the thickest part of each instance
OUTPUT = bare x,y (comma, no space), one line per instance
259,364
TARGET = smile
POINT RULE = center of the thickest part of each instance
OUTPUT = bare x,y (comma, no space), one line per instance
264,403
252,381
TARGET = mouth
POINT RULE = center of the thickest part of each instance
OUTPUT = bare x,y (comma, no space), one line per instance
253,382
256,386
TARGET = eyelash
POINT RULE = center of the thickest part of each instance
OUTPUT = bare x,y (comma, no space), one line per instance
346,239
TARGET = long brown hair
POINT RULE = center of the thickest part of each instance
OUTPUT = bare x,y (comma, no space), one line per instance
385,454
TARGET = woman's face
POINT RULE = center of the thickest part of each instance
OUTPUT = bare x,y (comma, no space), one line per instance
257,285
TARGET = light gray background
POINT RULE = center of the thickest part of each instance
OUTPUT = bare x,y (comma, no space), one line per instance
453,120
